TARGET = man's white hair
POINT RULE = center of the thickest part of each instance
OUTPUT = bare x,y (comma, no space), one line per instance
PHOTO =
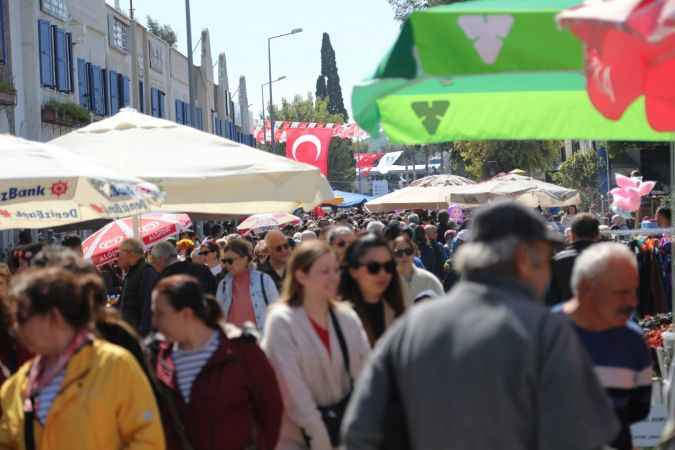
338,231
375,227
595,260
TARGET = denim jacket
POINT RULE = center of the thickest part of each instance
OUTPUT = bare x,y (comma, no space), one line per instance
259,281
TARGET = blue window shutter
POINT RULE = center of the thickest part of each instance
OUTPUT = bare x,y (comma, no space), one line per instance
162,108
179,111
187,120
126,95
154,102
200,118
83,83
141,96
69,62
113,88
105,90
46,54
99,90
60,59
90,85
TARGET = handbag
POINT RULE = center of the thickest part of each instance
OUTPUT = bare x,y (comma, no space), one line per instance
332,415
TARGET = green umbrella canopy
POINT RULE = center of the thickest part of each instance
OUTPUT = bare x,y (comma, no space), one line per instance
491,69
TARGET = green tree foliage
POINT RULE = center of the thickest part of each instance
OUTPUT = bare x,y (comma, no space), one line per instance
306,110
341,165
165,32
504,156
580,172
403,8
332,80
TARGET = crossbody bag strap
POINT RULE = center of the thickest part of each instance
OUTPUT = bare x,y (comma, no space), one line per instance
343,344
262,285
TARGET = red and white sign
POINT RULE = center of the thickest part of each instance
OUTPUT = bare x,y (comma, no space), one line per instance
344,131
366,161
102,247
310,146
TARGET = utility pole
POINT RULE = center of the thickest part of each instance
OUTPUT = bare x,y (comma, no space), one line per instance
190,65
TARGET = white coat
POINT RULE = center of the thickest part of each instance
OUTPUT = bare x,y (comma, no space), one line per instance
307,374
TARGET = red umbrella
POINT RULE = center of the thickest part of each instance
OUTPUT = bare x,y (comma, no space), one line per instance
102,247
630,52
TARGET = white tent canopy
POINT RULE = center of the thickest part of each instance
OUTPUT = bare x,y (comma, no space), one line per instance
431,192
45,186
521,188
198,171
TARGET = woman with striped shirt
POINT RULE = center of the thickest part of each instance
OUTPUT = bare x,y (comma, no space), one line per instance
222,391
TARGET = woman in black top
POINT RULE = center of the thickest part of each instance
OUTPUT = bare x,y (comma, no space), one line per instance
371,282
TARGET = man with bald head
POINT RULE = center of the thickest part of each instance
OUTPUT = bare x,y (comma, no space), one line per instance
279,251
604,283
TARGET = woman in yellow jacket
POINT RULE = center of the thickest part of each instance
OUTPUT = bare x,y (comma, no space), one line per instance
78,393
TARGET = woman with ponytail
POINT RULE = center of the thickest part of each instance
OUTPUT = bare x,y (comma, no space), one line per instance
79,392
222,388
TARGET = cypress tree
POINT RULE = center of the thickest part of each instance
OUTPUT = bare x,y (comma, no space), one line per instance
321,89
332,79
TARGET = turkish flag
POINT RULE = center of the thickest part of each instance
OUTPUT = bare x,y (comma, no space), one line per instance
310,146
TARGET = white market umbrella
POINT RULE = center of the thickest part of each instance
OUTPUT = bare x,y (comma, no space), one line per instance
431,192
262,222
43,186
524,189
198,171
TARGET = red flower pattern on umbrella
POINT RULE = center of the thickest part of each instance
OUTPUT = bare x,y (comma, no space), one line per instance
630,52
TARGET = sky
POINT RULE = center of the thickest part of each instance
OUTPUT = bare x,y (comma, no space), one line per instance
361,32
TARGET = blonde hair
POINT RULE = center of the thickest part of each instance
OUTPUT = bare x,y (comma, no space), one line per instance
302,258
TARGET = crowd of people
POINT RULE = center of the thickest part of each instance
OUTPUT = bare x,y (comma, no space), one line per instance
335,333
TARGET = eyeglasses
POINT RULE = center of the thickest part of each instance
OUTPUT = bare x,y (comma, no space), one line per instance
205,253
401,252
281,247
375,267
228,261
341,244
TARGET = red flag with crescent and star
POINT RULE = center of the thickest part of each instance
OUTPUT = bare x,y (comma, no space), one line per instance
310,146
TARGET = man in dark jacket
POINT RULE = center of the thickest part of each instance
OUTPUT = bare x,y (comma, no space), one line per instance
585,232
137,289
515,365
279,251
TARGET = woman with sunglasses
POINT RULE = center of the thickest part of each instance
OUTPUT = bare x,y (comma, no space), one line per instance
317,347
371,282
79,392
245,293
415,280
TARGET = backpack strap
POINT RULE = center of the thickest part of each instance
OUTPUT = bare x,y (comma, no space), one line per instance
262,285
343,345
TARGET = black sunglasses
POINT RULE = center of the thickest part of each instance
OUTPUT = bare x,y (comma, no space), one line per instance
228,261
205,253
282,247
375,267
341,244
401,252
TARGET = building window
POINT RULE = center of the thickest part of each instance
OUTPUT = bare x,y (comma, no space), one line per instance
157,98
56,8
119,34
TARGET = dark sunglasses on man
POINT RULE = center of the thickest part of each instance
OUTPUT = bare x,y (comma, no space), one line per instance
282,247
205,252
227,261
375,267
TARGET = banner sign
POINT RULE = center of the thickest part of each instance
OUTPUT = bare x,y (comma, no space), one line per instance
366,161
344,131
310,146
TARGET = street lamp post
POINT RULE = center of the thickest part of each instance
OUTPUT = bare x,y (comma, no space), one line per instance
262,95
269,65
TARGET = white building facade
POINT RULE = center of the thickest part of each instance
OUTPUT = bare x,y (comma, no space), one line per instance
56,53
